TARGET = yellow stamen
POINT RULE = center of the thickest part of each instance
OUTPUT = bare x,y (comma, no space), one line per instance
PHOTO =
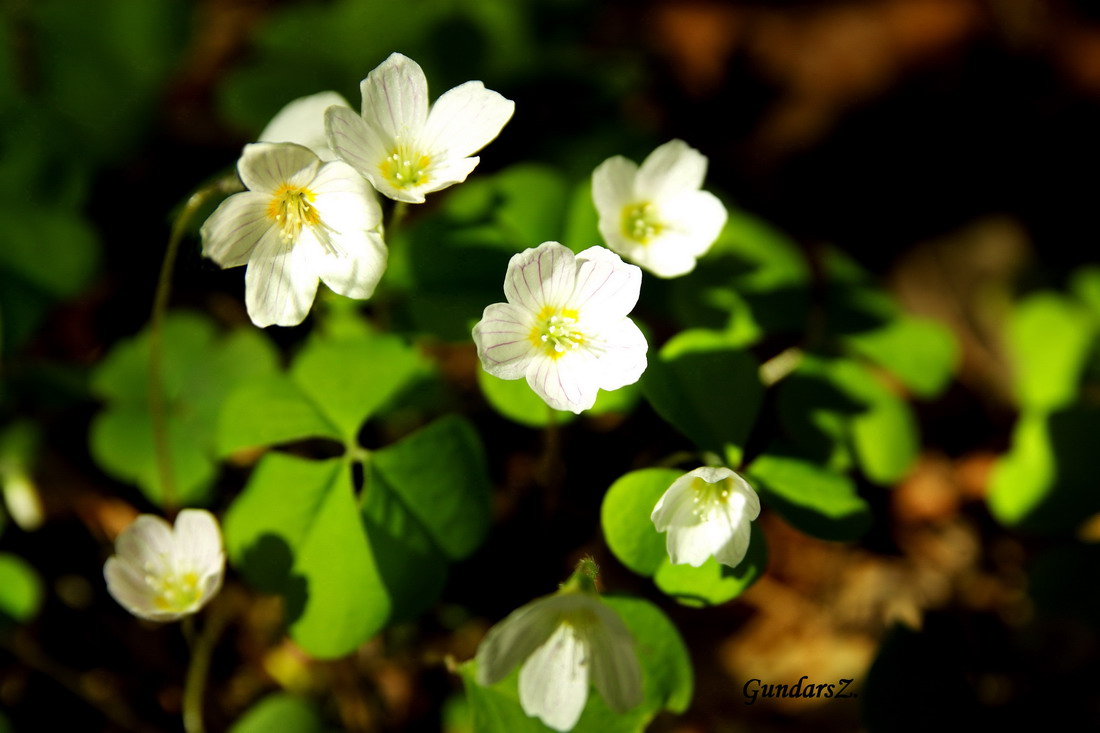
176,593
406,168
555,331
641,222
291,207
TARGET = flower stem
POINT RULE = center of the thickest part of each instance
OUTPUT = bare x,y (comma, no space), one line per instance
397,215
202,649
157,411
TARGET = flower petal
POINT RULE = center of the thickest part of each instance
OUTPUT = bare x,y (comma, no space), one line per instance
616,672
669,255
126,585
697,215
565,383
503,338
395,98
343,200
235,228
622,355
607,288
736,518
266,166
515,638
553,682
669,170
693,544
676,505
198,542
353,142
442,174
465,119
147,543
541,276
613,188
280,283
303,122
356,266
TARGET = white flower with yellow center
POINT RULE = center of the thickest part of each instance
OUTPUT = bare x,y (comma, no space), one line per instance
402,148
564,642
303,122
655,215
707,512
565,327
162,574
299,221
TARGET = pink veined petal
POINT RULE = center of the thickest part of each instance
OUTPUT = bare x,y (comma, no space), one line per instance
671,169
465,119
280,283
267,166
353,266
515,638
235,228
543,276
353,142
606,287
565,383
553,682
503,338
343,200
613,188
616,673
303,122
621,358
395,98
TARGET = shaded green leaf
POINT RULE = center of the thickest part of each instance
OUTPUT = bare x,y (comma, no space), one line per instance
713,583
625,518
515,400
20,590
813,499
280,713
918,351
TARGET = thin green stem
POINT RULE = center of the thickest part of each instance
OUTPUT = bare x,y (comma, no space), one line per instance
202,650
157,410
397,215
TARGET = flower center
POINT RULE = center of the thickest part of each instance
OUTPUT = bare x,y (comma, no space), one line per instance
406,168
641,222
709,497
555,331
175,592
291,207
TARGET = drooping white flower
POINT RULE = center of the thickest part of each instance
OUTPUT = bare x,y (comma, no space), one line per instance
565,325
655,215
707,512
299,221
303,122
163,573
404,149
564,642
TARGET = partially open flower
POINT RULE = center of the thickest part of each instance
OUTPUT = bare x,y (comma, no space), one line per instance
655,215
402,148
707,512
162,574
303,122
299,221
564,642
565,325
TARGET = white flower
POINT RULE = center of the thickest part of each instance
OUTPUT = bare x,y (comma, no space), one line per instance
565,325
568,640
303,122
707,512
299,220
656,215
402,148
161,573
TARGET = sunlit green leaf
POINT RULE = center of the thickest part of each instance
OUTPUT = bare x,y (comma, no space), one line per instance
813,499
625,518
268,411
200,368
709,390
515,400
20,590
280,713
920,352
1049,337
667,679
296,530
713,583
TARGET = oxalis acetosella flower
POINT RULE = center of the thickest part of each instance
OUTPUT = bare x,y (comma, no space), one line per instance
163,573
565,326
707,512
406,150
302,121
656,215
301,220
564,642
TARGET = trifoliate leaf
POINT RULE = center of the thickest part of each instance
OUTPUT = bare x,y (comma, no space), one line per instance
918,351
813,499
712,582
